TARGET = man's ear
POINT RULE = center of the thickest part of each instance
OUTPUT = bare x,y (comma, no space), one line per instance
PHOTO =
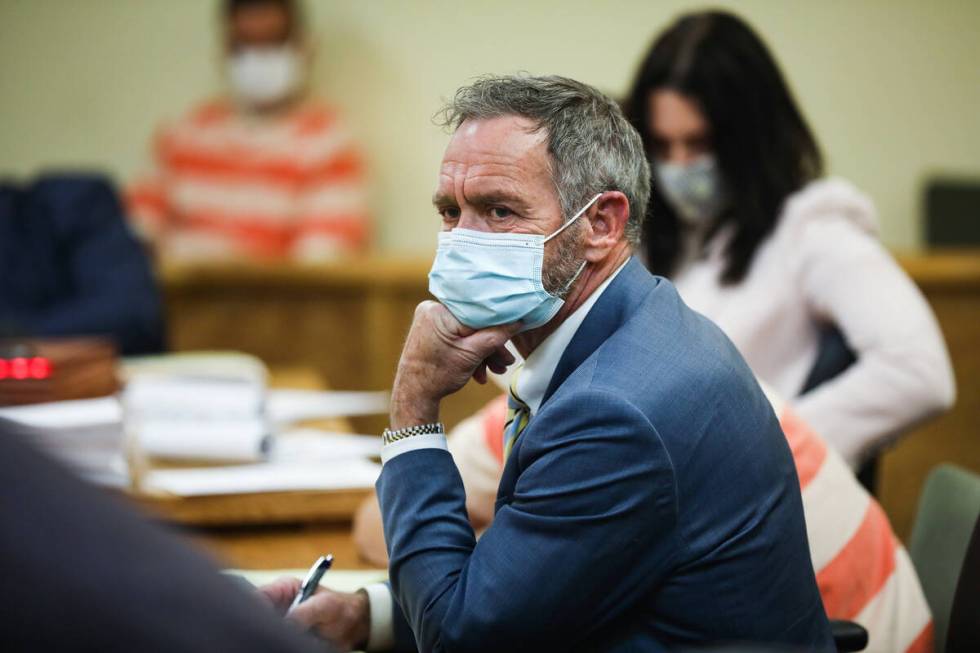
607,221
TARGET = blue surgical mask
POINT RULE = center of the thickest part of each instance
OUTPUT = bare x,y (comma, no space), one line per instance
486,278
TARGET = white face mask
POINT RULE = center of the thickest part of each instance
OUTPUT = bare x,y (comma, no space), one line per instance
695,190
263,76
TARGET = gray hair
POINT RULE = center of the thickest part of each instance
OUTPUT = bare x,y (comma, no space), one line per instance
593,147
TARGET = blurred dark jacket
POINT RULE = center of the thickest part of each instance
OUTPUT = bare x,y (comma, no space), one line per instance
69,265
83,572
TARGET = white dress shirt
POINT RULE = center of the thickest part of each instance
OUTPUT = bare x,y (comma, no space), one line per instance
532,383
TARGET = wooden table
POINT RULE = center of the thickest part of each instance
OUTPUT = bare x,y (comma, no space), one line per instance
281,546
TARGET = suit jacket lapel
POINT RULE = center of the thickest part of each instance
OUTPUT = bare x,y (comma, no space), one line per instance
606,316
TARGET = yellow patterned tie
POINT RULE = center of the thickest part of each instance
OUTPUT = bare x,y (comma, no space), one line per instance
518,415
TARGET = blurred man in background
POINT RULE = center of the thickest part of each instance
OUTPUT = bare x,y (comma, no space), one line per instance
265,172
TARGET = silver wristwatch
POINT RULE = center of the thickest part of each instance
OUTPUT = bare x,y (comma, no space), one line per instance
390,436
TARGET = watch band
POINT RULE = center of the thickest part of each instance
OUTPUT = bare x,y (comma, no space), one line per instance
389,436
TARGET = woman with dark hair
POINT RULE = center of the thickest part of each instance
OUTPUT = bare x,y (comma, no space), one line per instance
742,222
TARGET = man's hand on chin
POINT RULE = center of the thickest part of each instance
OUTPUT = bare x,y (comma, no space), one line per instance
440,356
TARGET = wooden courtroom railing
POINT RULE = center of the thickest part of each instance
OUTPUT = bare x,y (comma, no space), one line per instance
348,320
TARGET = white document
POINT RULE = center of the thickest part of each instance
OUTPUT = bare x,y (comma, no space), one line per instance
267,477
238,440
85,434
66,415
175,397
339,580
286,406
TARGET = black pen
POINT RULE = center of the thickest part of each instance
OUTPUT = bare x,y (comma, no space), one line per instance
312,580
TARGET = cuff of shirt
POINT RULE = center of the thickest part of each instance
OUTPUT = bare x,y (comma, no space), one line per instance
381,637
427,441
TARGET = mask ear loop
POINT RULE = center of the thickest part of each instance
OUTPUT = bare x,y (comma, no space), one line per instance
574,278
578,272
574,218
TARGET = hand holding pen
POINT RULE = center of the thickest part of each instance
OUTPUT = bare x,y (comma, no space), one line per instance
312,580
341,618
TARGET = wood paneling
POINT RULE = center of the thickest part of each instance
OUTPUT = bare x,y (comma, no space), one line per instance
951,283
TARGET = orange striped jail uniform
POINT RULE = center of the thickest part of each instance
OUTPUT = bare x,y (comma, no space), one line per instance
229,185
863,572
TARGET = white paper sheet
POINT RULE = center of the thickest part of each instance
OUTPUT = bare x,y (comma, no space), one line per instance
86,435
238,440
181,397
267,477
340,580
66,415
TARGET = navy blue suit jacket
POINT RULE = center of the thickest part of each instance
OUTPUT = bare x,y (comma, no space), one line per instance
651,503
70,266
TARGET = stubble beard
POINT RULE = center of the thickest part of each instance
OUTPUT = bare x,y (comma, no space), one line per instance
561,266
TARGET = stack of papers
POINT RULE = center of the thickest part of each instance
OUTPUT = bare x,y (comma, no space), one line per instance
183,410
85,434
301,459
189,417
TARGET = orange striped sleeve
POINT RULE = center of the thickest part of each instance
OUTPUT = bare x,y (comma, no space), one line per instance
809,451
353,231
147,197
198,162
253,233
190,161
185,156
847,583
340,174
923,643
346,165
146,206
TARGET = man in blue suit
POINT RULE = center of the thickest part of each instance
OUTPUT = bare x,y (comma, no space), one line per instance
648,500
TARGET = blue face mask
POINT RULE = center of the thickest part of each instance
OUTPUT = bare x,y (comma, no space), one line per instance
486,279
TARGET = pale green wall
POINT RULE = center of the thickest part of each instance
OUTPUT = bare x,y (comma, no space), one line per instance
891,88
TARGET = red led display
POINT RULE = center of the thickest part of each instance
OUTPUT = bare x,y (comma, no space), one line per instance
40,368
19,368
